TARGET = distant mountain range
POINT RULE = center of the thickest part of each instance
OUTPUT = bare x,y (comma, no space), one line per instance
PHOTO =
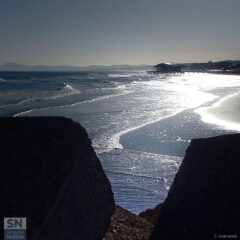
143,67
21,67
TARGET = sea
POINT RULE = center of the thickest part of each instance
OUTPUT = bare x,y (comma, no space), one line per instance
140,124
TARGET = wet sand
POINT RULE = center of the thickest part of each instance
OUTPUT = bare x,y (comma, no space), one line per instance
171,136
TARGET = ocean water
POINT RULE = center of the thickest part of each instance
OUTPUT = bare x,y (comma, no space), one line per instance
114,105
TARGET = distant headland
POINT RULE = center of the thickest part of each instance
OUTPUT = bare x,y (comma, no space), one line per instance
227,66
65,68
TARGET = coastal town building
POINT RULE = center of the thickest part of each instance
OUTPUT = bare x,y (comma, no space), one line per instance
221,66
166,68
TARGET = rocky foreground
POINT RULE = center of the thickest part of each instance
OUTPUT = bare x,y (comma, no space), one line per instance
128,226
50,174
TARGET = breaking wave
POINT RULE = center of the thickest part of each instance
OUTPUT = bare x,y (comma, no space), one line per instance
65,90
74,104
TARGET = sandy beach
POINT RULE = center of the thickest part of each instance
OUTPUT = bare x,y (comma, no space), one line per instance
172,135
225,113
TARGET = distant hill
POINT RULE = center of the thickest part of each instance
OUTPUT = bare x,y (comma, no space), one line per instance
21,67
124,67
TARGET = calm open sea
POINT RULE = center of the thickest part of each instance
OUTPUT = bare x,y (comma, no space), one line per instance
112,106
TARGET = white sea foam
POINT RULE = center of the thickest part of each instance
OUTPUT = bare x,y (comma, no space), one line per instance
16,104
114,141
148,101
187,91
115,87
225,113
74,104
120,75
127,75
36,96
101,98
69,87
66,90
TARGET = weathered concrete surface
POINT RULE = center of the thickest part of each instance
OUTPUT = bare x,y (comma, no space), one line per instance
204,200
50,174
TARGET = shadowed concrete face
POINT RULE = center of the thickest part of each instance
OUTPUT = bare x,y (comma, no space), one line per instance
203,201
51,175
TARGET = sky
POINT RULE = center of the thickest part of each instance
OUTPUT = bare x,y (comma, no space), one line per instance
106,32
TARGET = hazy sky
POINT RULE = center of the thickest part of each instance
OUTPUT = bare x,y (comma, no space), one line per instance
105,32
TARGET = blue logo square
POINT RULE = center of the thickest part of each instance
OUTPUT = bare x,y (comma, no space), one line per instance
15,228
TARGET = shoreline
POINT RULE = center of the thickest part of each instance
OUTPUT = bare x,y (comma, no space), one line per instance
199,71
199,126
115,139
171,136
225,112
176,130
